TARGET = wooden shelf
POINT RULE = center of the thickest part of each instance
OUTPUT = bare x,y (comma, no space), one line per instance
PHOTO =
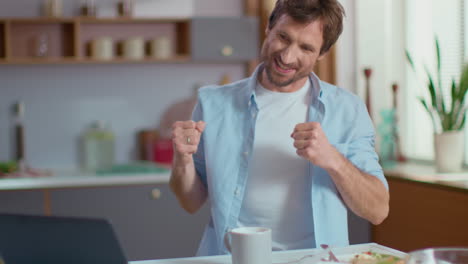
130,20
68,38
40,20
72,60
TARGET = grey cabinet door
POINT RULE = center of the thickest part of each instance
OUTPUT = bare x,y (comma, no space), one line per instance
359,229
148,220
224,39
22,202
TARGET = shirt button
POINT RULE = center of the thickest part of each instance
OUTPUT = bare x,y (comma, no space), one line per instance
246,153
253,115
237,192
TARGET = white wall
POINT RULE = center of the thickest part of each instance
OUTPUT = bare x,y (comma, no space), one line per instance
61,100
380,46
346,49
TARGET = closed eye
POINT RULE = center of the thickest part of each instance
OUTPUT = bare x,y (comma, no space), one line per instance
283,37
308,48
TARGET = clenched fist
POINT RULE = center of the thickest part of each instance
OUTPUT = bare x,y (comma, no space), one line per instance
185,137
312,144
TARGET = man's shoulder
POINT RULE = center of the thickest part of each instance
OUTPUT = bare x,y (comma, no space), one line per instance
340,96
223,90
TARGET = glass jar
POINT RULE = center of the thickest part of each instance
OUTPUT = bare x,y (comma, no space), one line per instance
41,45
98,147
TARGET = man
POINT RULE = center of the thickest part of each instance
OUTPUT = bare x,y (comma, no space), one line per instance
282,149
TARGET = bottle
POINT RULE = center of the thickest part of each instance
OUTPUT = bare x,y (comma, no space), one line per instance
88,8
19,132
52,8
98,147
125,8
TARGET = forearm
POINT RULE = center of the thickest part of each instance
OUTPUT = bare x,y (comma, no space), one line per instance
186,185
363,193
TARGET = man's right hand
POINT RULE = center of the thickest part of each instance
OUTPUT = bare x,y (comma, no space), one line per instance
185,182
185,137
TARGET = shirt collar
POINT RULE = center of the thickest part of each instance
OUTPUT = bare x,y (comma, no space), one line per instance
319,91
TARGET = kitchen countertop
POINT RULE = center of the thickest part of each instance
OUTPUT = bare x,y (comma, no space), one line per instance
411,171
427,174
77,180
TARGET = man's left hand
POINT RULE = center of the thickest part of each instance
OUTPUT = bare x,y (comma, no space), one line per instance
312,144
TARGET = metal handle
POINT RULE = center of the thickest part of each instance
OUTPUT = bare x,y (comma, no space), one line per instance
156,193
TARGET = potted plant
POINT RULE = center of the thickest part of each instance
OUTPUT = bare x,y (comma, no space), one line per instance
448,119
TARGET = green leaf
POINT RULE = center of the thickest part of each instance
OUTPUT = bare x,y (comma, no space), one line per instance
447,123
454,96
432,90
463,85
431,114
410,60
460,116
439,66
423,102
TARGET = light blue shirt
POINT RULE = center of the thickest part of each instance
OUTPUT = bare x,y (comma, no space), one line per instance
225,150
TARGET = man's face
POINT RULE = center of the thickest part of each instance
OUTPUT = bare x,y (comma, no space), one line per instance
290,52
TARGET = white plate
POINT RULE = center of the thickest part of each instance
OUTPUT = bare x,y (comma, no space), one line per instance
344,254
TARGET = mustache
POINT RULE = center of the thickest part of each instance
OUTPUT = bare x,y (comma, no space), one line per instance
277,58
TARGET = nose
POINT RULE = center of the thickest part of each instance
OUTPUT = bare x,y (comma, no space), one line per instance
289,55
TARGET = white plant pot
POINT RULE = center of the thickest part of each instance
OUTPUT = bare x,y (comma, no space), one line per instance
449,147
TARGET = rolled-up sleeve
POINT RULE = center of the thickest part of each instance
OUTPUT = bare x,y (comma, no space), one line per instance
361,150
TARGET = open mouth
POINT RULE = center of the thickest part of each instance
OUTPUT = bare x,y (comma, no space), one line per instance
281,68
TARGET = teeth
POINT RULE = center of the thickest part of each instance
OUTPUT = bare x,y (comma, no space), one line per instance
281,66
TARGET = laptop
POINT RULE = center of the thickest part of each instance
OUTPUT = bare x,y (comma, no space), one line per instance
29,239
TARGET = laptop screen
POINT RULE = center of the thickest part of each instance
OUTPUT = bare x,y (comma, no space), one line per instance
26,239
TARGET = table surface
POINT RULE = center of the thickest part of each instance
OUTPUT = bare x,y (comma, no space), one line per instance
287,257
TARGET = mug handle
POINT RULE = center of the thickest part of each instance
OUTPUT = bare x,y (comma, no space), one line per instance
227,240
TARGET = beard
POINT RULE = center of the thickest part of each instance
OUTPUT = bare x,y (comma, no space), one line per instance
269,63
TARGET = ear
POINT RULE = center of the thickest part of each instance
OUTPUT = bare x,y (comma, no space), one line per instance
267,29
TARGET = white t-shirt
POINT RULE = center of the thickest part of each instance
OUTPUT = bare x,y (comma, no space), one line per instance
277,193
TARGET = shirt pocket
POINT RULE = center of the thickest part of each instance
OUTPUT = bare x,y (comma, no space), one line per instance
342,148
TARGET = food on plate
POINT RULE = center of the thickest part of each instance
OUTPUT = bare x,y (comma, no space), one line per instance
370,257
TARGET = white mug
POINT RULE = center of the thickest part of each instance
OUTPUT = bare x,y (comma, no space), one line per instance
249,245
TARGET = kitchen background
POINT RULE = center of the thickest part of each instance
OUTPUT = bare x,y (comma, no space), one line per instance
61,101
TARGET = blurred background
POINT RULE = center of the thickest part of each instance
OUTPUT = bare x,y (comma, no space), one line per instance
89,90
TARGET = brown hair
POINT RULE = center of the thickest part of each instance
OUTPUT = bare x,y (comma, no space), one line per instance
331,12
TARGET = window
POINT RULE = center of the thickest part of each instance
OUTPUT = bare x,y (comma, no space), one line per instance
425,19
